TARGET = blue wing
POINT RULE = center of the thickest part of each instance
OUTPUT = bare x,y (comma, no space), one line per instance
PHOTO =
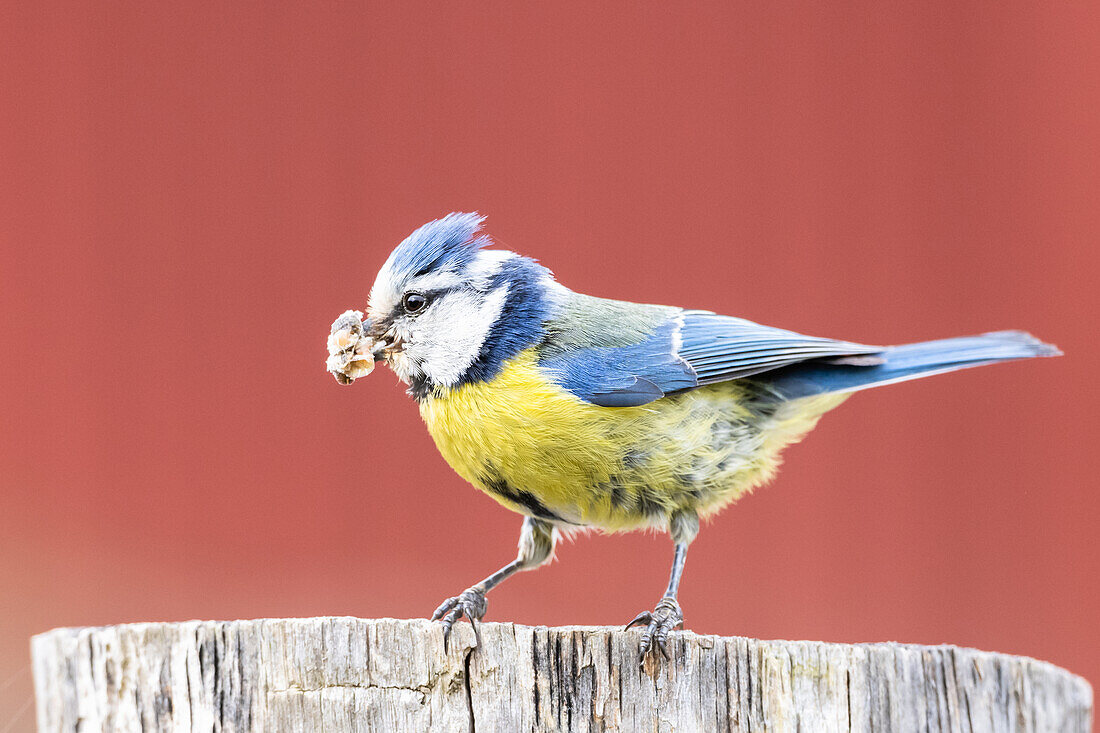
719,348
622,375
669,350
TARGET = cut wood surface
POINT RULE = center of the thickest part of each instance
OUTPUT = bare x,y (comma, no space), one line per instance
349,674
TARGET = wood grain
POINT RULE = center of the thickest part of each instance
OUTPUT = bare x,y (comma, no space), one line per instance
349,674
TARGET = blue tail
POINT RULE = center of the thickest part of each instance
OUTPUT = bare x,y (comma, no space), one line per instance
910,361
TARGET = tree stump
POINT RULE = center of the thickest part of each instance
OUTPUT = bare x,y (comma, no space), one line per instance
349,674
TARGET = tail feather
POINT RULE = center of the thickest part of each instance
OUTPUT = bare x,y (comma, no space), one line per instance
910,361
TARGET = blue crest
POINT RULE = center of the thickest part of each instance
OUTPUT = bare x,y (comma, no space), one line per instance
447,243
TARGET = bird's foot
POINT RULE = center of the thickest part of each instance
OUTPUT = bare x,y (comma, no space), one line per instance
471,603
658,622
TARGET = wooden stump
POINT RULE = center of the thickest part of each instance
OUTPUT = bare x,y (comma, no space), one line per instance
348,674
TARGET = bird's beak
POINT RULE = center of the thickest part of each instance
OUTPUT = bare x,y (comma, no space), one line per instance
386,343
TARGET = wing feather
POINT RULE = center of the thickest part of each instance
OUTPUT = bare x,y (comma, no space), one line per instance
676,351
719,348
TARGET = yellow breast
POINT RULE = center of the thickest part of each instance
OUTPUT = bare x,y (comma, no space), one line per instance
541,451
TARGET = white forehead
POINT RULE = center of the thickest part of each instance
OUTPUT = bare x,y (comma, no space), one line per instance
477,274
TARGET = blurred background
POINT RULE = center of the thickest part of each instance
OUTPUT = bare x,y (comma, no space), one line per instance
191,192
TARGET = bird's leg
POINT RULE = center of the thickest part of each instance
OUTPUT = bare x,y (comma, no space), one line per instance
536,546
683,526
667,615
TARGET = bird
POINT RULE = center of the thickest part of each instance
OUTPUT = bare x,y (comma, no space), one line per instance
579,412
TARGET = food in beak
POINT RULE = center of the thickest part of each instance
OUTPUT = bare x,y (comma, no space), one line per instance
350,348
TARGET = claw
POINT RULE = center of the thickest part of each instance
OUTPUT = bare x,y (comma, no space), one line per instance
470,603
476,624
661,639
663,619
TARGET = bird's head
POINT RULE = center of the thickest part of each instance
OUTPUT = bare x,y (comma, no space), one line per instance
446,311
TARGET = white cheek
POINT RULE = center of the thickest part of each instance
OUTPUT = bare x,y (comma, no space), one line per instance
447,340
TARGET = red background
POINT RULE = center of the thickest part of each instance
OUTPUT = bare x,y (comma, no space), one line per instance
190,195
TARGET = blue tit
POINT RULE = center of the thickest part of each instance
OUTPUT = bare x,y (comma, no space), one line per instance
578,412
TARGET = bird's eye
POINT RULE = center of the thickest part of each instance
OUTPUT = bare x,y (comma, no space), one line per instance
414,302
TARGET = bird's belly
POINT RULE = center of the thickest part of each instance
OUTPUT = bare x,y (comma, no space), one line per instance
543,452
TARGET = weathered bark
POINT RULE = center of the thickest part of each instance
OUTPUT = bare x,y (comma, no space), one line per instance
348,674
